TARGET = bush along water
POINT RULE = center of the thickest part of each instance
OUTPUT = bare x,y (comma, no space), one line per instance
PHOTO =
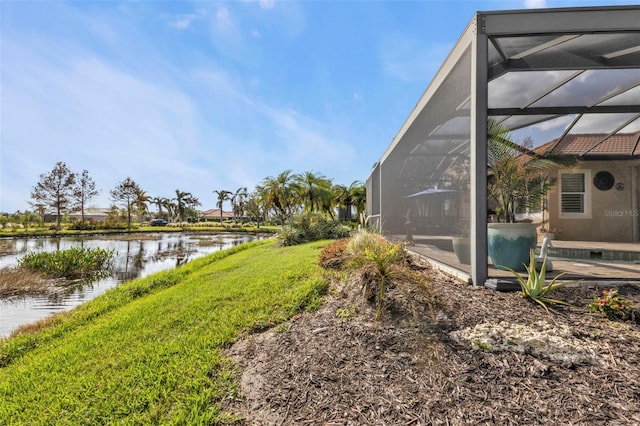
311,227
75,263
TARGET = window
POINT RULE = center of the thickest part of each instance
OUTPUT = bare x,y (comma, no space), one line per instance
574,194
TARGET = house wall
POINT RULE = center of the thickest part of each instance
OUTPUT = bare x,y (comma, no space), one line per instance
612,215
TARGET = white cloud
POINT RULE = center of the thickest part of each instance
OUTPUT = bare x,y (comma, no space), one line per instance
229,36
224,21
77,107
535,4
83,111
183,22
272,137
267,4
101,107
601,123
264,4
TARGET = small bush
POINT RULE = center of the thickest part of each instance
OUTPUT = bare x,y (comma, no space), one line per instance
92,225
313,227
333,255
87,226
611,305
368,246
380,264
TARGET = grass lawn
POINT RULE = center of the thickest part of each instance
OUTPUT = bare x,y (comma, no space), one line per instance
149,351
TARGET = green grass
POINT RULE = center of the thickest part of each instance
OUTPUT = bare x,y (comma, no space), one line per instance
149,351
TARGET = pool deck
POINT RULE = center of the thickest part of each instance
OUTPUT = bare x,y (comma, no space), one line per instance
594,269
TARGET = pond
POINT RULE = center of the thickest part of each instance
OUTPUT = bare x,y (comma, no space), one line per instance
137,255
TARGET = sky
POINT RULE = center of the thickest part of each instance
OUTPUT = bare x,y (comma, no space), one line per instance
204,96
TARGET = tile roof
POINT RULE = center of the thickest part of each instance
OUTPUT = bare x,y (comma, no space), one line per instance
215,213
92,211
589,145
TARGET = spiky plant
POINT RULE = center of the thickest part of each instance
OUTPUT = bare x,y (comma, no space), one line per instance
379,262
535,287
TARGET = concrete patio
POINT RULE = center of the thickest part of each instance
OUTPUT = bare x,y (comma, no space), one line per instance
588,261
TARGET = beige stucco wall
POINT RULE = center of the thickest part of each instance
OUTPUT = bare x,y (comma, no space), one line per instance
614,215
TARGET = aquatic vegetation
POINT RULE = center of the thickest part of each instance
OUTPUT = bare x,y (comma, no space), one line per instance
73,263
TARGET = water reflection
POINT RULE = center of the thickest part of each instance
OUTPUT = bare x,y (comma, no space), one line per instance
136,256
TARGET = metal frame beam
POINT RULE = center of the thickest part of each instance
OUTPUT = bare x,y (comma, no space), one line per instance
562,20
561,110
479,116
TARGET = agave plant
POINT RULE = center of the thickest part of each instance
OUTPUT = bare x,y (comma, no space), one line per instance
534,287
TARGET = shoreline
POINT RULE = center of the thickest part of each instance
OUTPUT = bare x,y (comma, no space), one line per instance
145,230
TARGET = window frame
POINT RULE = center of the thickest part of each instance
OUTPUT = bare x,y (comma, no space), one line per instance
586,203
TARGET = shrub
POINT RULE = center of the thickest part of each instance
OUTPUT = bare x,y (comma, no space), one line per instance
611,305
333,255
380,265
74,263
111,224
86,226
311,227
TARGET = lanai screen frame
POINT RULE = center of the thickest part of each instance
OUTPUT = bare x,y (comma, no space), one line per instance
477,36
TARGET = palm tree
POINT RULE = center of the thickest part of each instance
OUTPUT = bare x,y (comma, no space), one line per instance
254,206
346,197
358,195
171,207
191,203
237,201
182,200
278,194
160,202
223,195
141,203
342,197
315,192
517,175
327,202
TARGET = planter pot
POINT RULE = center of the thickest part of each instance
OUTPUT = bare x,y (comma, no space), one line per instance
508,244
462,249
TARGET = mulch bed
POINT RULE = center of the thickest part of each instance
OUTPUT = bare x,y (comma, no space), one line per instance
337,366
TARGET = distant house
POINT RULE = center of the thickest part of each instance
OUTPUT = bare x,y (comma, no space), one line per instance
93,214
214,214
599,198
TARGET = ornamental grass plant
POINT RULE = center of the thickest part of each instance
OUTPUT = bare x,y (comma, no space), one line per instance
379,264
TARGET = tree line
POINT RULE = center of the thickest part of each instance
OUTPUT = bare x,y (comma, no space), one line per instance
276,198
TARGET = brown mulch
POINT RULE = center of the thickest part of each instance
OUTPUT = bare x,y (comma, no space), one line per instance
337,366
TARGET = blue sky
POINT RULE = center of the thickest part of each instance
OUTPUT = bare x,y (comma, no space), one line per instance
202,96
